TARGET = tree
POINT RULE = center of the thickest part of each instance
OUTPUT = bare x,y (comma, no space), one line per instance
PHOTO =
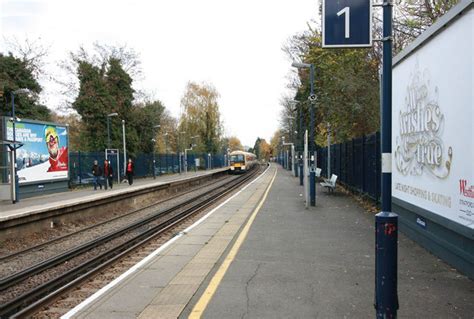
145,118
93,103
76,127
200,116
262,149
16,73
235,144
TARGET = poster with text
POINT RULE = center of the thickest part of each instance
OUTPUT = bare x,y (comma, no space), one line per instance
433,125
44,154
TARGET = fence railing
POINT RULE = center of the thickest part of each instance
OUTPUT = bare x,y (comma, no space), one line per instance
81,164
356,163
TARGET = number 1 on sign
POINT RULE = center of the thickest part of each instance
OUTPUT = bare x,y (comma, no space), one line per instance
346,12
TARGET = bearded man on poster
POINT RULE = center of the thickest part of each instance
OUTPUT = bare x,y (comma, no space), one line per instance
58,157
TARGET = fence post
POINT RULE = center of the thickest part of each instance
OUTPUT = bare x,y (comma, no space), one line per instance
80,166
364,161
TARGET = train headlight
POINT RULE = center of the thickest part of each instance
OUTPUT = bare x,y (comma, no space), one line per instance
232,168
242,167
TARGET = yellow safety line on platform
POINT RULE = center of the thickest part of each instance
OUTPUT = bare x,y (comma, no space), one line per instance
206,297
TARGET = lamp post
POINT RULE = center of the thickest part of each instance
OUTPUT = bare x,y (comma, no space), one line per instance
124,149
299,142
312,98
108,128
14,173
179,150
154,155
166,150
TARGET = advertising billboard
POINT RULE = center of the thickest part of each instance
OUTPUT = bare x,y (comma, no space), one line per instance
433,125
44,154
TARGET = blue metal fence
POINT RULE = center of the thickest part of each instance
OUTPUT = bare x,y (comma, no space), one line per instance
81,164
356,163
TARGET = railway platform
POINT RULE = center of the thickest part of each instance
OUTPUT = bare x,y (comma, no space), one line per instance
31,210
261,254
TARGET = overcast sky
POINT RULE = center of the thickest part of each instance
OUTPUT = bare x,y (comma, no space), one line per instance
235,45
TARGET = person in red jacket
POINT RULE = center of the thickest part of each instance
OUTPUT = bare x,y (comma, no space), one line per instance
108,174
130,171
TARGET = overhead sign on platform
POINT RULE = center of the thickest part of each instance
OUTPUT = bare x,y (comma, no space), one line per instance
347,23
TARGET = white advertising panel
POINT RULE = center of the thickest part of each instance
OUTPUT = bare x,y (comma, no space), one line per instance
433,124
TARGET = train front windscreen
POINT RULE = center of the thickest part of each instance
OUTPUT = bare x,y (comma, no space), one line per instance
239,158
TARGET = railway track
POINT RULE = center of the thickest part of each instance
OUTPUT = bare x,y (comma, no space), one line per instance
15,260
93,256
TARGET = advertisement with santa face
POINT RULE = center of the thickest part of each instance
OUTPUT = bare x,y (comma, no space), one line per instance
44,154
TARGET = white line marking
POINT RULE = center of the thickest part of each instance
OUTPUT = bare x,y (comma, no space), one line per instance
142,262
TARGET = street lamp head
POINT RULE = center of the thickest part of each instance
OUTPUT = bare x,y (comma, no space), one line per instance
112,114
153,140
22,91
157,126
300,65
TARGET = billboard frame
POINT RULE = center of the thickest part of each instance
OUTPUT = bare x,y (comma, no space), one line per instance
6,119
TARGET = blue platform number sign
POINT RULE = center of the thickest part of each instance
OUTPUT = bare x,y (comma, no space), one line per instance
347,23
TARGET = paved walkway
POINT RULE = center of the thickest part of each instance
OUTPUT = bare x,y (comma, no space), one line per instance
162,284
319,263
9,209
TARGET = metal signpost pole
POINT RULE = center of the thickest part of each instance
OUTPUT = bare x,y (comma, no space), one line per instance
293,166
312,174
386,222
15,179
329,150
305,169
348,24
108,132
124,149
301,145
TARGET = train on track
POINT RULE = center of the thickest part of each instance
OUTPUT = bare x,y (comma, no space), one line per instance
241,162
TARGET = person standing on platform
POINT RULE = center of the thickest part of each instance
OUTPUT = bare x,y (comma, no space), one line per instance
97,173
108,174
130,171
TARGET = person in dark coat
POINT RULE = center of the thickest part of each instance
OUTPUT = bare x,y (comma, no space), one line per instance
97,173
108,174
130,171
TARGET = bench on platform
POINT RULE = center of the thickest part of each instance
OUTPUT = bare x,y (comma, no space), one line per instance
318,172
330,184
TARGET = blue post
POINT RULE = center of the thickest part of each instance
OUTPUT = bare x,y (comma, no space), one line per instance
295,164
312,174
301,172
386,222
16,199
80,166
